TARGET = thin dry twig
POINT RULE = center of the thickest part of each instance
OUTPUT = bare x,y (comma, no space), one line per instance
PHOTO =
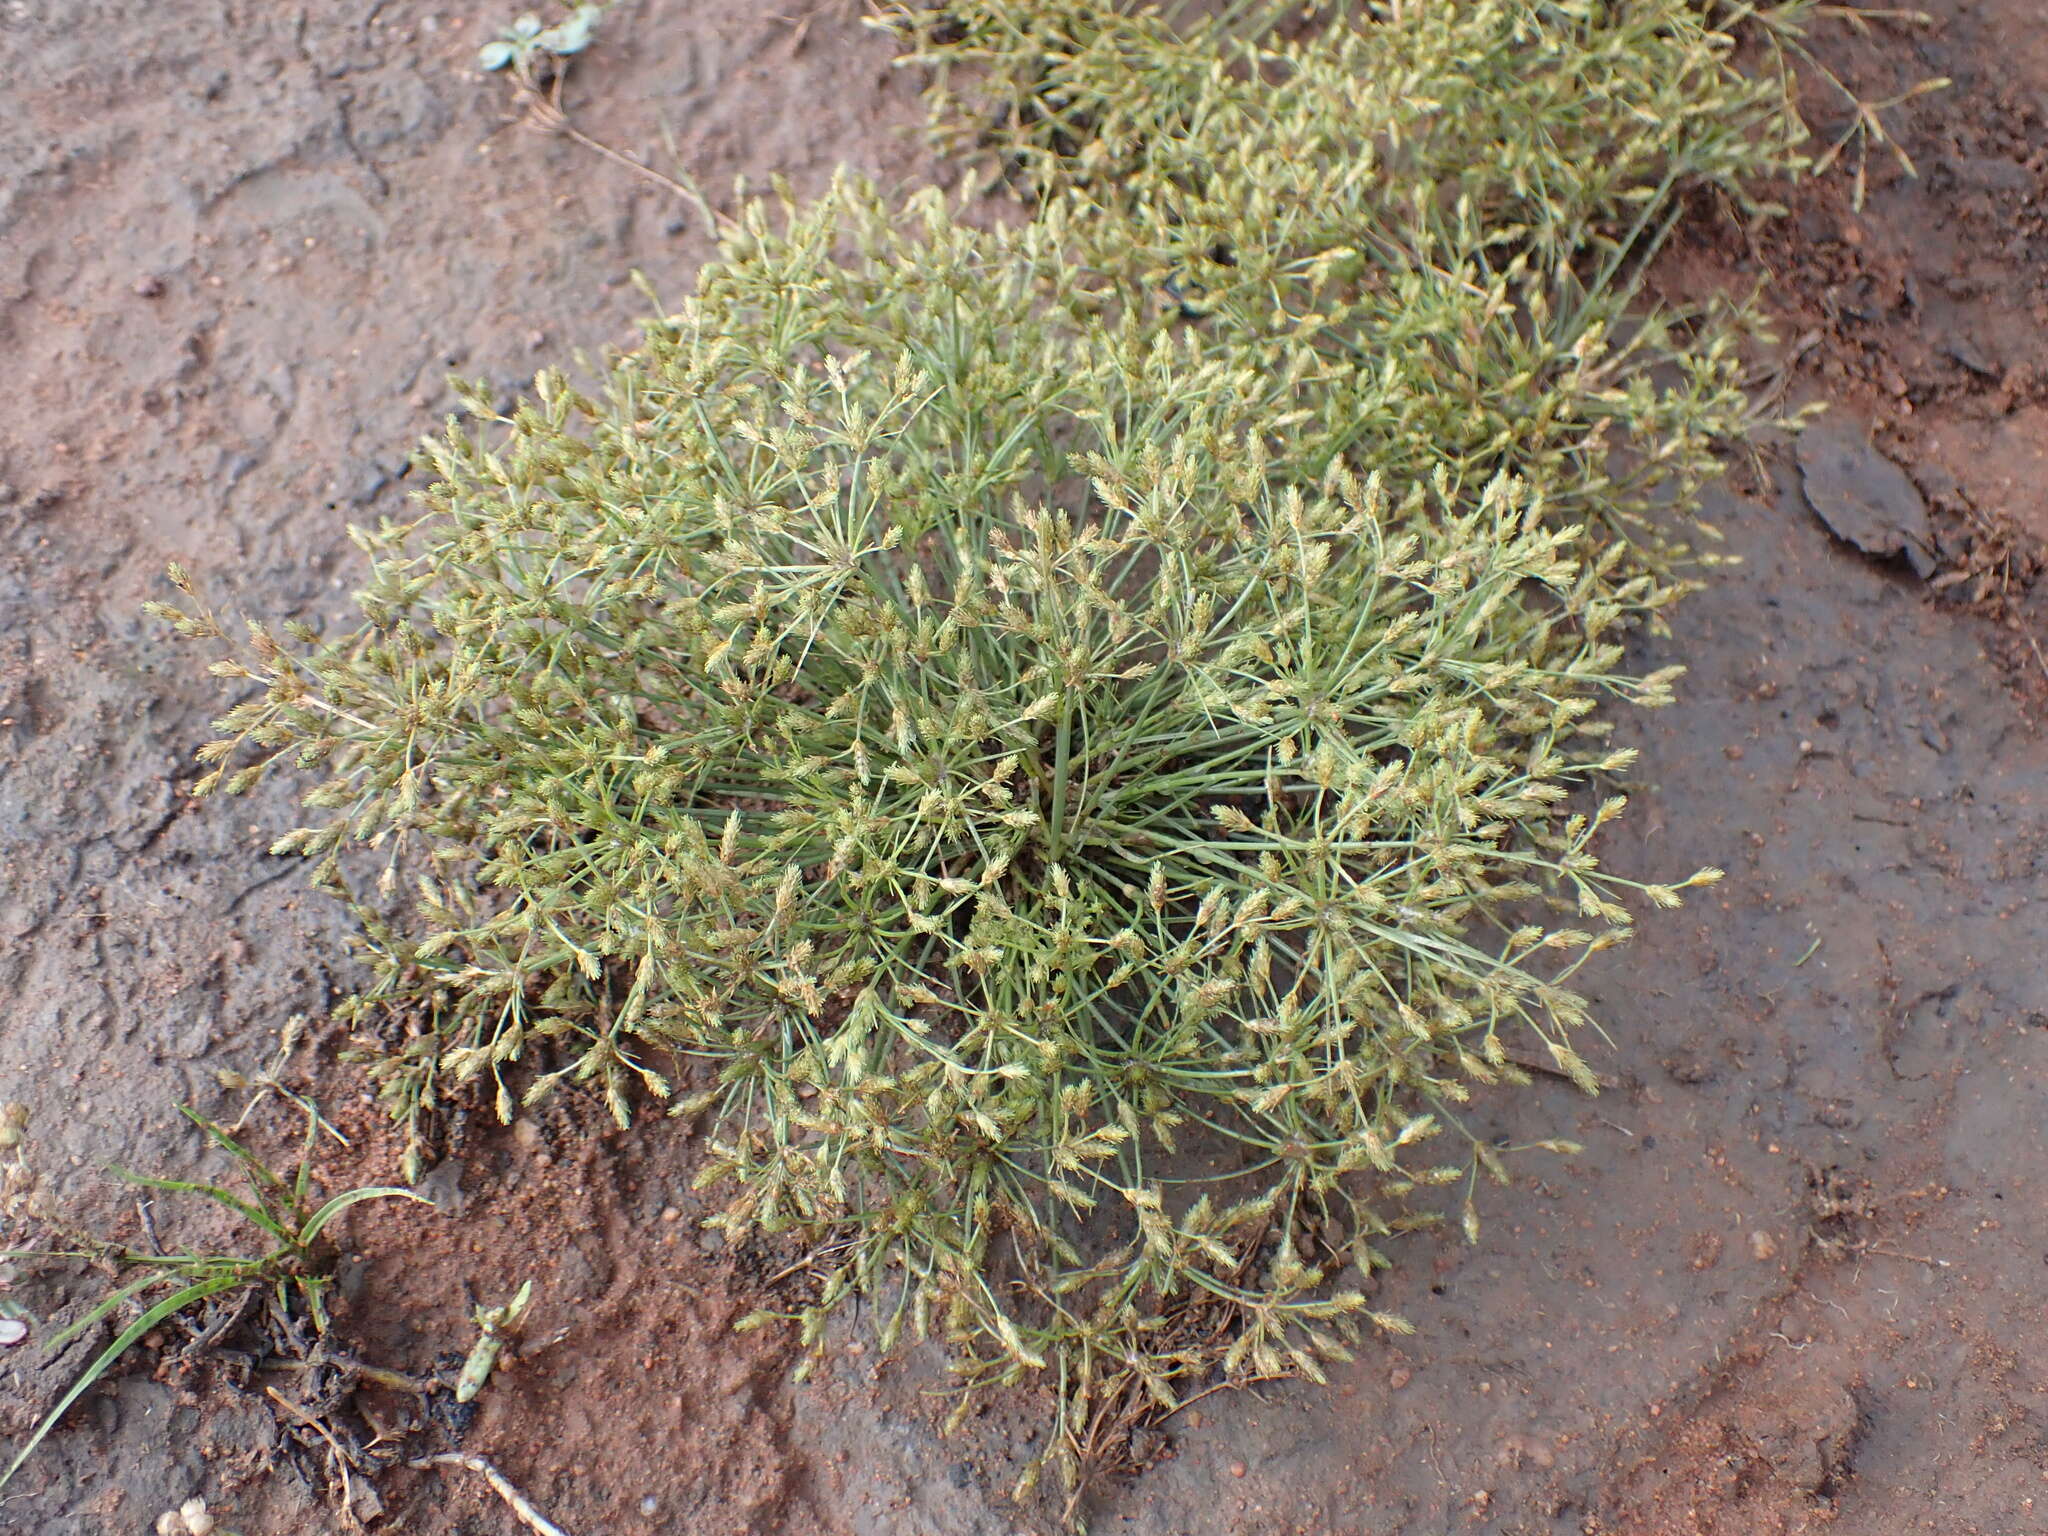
142,1209
2043,660
519,1504
1879,1250
800,26
547,111
223,1323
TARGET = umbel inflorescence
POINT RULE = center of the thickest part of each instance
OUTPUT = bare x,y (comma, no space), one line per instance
1077,747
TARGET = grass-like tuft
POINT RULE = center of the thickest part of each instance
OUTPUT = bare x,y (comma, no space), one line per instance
287,1279
1078,747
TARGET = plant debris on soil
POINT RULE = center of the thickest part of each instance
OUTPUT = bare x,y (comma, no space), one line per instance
1788,1288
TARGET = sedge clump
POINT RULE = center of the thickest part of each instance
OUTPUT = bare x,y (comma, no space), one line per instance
1073,870
1426,226
1077,748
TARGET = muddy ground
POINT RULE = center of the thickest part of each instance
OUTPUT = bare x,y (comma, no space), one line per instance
1791,1283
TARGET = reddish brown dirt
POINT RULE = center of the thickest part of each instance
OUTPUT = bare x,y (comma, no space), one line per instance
1789,1286
627,1366
1922,316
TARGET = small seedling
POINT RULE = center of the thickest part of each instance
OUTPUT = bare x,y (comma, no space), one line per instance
289,1274
528,42
535,56
494,1326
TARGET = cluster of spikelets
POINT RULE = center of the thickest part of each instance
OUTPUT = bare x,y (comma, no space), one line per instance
1422,224
1075,747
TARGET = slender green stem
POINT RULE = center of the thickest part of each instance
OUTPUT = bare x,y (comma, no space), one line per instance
1062,752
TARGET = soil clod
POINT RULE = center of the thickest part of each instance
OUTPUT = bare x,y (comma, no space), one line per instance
1864,498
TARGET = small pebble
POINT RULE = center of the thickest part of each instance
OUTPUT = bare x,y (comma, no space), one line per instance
1399,1377
1762,1246
12,1332
649,1505
671,1214
1237,1469
149,286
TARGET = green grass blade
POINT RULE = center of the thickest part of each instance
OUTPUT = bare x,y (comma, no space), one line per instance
260,1175
107,1304
304,1179
333,1208
214,1192
172,1304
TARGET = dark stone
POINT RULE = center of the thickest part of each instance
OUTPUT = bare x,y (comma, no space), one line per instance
1864,498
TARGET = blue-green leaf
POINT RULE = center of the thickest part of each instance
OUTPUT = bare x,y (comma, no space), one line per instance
573,35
